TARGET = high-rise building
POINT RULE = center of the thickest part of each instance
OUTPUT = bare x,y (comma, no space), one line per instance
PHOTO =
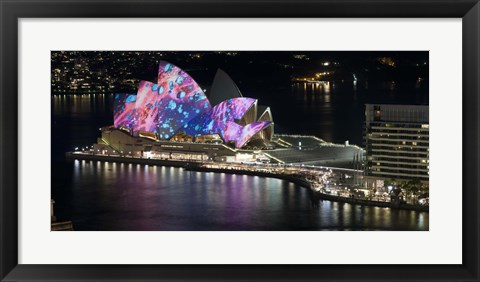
397,143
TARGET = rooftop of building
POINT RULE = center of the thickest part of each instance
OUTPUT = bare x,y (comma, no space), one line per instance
398,106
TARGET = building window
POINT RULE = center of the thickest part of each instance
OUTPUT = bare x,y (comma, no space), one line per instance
377,114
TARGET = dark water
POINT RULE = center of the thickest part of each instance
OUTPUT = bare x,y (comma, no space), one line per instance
335,111
113,196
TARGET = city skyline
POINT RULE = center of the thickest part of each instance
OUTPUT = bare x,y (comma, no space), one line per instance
113,71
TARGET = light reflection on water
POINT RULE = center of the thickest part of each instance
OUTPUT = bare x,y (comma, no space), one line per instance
113,196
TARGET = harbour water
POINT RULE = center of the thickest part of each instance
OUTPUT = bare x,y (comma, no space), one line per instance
114,196
117,196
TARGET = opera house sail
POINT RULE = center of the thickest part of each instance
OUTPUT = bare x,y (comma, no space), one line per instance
177,106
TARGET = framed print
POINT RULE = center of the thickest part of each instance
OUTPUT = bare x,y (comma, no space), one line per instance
258,141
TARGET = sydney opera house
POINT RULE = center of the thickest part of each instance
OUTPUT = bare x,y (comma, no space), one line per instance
176,110
177,106
174,119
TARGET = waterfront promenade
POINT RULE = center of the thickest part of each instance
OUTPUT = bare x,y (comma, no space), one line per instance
323,181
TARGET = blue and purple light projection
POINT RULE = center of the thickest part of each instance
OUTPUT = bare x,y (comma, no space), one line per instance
124,110
177,104
249,131
215,121
165,107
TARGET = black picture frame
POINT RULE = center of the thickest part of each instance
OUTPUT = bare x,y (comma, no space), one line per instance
11,11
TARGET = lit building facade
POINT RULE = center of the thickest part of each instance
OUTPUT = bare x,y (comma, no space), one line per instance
177,108
397,143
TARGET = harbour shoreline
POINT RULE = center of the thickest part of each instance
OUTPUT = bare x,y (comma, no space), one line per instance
197,166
